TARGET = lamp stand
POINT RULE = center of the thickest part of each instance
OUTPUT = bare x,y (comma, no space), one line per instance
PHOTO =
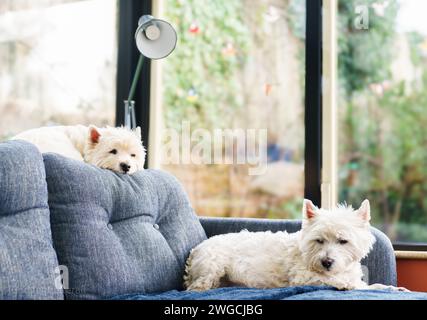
129,104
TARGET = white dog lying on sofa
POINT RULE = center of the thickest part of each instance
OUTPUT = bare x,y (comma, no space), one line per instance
117,149
326,251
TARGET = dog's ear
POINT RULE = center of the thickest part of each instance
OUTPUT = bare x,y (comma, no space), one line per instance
364,211
94,134
309,210
138,132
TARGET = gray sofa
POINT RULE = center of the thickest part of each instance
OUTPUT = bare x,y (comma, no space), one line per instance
71,230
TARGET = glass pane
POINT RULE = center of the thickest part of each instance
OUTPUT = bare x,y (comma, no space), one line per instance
383,118
57,63
238,66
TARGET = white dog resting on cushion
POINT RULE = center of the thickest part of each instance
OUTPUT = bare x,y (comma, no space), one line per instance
326,251
117,149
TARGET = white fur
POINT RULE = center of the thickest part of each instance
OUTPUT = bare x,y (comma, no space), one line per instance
268,260
92,145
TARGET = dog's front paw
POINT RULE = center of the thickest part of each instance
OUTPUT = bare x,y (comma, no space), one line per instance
402,289
378,286
345,288
341,286
393,288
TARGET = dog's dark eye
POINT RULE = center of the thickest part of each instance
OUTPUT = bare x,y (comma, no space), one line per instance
342,241
114,151
133,155
319,241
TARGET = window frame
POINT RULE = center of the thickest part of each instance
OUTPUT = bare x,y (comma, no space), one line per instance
329,181
320,165
313,102
127,59
129,13
409,246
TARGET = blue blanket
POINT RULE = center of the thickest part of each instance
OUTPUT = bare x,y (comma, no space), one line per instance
291,293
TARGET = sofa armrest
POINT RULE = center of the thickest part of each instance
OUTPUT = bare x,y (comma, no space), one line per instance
380,264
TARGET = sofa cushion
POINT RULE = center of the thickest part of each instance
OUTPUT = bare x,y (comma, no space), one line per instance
119,233
289,293
28,261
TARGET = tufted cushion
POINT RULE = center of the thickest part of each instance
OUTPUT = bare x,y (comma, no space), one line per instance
119,233
27,259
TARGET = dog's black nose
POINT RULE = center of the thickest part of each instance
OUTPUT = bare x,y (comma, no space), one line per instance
125,167
327,263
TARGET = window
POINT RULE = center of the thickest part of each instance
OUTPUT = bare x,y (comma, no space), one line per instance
372,141
233,106
57,63
382,103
